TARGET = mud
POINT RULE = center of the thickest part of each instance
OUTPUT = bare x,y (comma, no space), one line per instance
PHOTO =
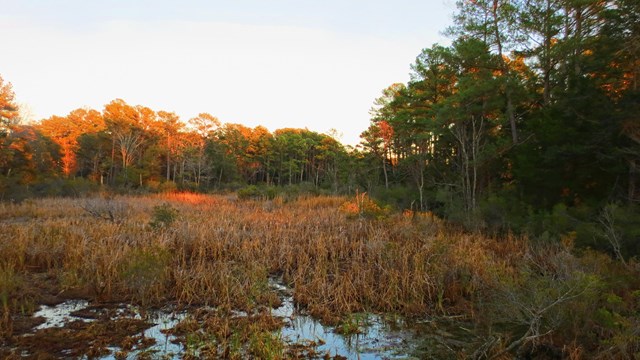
80,329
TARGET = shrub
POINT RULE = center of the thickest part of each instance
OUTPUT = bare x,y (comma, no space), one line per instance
400,197
249,192
163,216
168,187
363,206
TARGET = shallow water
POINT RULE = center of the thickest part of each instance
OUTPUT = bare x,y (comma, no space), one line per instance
165,344
376,341
377,337
163,319
59,315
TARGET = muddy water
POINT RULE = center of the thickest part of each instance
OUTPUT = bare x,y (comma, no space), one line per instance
158,339
165,345
377,337
61,314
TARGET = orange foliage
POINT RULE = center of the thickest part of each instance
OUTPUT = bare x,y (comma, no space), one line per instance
65,131
362,206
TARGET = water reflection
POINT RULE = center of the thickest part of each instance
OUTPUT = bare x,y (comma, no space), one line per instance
59,315
377,338
163,320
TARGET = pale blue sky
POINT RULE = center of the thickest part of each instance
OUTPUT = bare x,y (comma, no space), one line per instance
279,63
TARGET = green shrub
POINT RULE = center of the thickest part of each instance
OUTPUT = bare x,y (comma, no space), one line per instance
400,197
249,192
163,216
258,192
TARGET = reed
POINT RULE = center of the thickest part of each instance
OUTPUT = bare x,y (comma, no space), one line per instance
220,251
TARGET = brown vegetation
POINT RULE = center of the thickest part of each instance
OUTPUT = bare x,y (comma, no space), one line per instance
194,250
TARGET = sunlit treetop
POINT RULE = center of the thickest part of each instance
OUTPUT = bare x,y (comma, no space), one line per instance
8,107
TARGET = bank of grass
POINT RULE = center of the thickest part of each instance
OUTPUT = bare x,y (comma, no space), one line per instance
340,256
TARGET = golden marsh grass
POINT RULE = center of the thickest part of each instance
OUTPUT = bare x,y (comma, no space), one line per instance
219,251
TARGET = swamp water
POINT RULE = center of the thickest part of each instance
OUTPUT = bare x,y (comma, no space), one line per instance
156,339
375,338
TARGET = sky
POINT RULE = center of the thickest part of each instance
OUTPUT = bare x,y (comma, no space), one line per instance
316,64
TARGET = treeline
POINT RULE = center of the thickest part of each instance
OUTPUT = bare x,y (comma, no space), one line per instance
528,122
135,147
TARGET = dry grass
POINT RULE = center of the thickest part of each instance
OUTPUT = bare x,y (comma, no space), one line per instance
220,251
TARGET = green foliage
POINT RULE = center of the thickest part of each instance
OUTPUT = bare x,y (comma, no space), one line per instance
618,227
163,216
352,324
399,197
144,272
501,212
249,192
287,192
551,293
167,187
12,190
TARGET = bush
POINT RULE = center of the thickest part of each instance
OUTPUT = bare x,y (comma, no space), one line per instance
163,216
258,192
249,192
168,187
362,206
400,197
502,212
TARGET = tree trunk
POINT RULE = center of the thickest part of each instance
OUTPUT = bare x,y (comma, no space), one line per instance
505,73
547,57
113,158
578,39
384,169
632,181
168,159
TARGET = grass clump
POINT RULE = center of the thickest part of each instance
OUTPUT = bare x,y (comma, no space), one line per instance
144,272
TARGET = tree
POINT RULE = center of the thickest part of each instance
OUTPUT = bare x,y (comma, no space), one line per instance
31,157
93,155
8,107
494,22
260,152
8,111
472,114
618,74
204,126
169,126
65,131
128,126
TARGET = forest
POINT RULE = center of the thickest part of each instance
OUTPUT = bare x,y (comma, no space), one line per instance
525,131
